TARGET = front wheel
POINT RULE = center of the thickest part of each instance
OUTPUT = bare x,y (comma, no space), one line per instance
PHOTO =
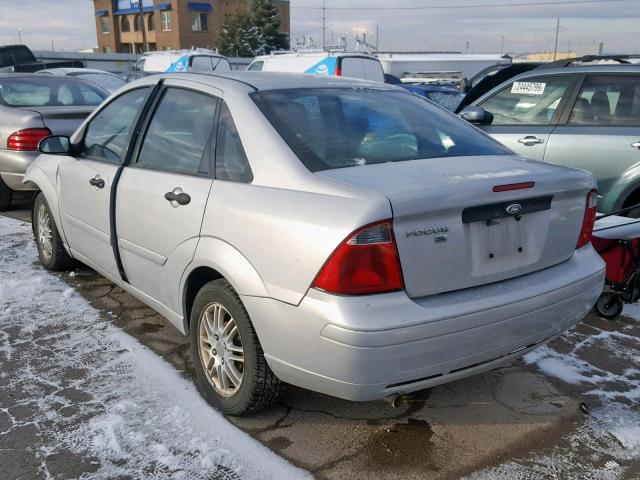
50,247
609,305
231,370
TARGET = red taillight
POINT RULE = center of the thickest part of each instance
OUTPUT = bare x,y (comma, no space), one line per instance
27,139
338,72
588,220
366,262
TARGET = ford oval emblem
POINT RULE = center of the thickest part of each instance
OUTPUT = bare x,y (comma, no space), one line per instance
513,209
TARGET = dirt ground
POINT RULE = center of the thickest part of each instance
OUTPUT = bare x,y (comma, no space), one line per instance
514,422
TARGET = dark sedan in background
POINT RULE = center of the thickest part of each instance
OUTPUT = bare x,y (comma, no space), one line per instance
32,107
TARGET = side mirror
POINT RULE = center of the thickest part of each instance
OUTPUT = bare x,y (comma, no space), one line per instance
476,115
55,145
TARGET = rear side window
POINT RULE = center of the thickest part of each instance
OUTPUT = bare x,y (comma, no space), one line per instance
179,133
49,91
231,161
220,64
373,71
201,64
531,101
608,101
108,131
343,127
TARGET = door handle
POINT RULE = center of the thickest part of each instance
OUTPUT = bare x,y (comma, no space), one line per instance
97,182
177,197
636,145
530,140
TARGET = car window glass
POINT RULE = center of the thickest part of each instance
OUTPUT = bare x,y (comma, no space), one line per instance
5,58
256,66
45,90
531,101
179,132
221,64
201,64
231,161
108,132
339,127
65,97
373,70
608,101
352,67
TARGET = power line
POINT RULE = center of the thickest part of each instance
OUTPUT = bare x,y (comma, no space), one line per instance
454,7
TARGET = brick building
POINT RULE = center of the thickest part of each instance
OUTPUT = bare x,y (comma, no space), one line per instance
169,24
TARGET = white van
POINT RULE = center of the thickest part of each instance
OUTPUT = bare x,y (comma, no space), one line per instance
318,62
197,60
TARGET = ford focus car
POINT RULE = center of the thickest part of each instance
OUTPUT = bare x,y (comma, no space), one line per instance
340,235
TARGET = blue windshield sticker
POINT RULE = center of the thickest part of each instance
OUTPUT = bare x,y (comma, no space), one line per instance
180,65
325,67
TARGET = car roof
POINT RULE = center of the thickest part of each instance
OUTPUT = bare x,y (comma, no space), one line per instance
314,53
65,71
579,69
271,80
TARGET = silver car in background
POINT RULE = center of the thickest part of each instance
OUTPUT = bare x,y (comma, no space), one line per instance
33,107
105,80
340,235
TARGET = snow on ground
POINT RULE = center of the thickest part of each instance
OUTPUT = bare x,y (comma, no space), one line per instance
604,365
95,393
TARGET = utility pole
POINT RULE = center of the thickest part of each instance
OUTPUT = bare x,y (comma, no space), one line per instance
324,23
555,47
20,36
502,44
145,46
377,37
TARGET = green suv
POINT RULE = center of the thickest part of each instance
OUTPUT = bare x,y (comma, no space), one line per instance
581,115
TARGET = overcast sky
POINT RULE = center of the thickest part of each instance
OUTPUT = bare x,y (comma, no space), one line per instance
70,24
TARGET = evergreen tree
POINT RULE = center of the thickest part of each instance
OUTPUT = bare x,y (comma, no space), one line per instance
266,19
238,37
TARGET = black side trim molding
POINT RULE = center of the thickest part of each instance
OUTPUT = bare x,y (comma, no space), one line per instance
493,211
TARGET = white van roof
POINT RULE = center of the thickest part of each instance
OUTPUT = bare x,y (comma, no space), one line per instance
164,60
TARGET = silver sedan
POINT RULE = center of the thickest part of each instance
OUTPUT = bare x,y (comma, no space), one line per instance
339,235
33,107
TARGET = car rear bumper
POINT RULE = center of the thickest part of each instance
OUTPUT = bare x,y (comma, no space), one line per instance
13,166
364,348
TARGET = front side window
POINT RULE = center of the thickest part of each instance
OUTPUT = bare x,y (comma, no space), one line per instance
165,20
48,91
607,100
179,132
531,101
231,161
199,22
107,134
104,24
344,127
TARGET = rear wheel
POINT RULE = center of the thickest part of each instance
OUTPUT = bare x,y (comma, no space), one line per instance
231,370
50,247
609,305
5,195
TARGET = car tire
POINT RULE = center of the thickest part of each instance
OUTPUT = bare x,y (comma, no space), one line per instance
50,247
5,195
231,371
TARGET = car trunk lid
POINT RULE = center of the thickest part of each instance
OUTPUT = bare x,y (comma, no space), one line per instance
62,120
454,231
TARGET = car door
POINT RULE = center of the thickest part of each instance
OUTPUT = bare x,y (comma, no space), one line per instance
525,112
86,180
162,194
600,133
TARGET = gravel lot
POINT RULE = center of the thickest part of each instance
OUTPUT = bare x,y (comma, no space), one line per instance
84,391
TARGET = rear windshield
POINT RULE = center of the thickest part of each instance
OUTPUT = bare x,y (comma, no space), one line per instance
49,91
344,127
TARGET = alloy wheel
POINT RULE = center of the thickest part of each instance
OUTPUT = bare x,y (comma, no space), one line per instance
45,237
221,350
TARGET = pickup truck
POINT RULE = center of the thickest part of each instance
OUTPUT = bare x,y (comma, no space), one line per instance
18,58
